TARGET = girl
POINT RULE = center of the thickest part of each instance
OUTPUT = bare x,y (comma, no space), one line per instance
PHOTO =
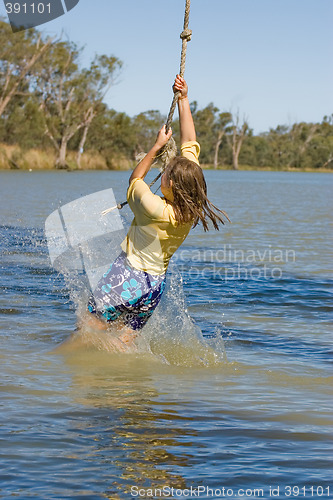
130,291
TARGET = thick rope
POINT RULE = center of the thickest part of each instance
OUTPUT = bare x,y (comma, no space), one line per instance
169,151
186,37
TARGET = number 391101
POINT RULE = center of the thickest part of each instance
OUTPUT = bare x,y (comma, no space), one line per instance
28,8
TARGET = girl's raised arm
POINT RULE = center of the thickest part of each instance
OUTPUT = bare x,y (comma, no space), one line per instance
143,167
187,129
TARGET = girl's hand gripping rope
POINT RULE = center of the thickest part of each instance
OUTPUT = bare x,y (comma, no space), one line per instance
180,86
163,137
143,167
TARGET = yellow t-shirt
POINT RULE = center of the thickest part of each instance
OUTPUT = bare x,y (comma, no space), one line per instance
154,235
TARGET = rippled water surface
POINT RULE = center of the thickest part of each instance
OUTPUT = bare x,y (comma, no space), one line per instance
231,387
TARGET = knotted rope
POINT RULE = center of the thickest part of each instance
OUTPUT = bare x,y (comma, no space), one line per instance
185,35
169,151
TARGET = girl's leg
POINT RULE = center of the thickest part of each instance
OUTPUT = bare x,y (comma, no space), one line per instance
94,333
123,333
128,336
92,321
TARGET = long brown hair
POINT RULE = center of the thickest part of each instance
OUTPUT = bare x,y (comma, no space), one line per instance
190,194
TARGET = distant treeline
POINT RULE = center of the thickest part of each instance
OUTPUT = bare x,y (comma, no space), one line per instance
52,113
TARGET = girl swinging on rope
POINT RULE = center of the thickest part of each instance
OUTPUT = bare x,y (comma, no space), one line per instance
129,292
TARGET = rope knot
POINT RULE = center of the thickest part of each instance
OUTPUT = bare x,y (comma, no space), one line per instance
186,35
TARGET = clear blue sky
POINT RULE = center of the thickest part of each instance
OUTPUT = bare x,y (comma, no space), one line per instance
269,59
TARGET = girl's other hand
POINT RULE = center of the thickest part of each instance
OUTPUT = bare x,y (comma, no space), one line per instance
163,137
180,85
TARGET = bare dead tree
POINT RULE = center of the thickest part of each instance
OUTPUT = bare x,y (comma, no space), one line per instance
236,138
222,127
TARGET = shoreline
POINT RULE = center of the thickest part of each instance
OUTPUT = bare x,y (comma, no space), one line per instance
13,158
204,167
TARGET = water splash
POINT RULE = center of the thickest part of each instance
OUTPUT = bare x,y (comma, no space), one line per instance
82,244
170,336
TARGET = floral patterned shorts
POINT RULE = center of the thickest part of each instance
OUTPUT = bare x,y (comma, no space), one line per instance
127,294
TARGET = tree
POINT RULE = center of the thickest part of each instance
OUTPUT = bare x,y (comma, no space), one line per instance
221,126
236,138
147,125
211,126
319,154
24,123
56,87
70,98
19,54
112,134
256,151
93,85
279,145
301,135
204,123
326,131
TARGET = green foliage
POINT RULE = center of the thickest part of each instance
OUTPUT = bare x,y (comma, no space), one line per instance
303,145
20,56
112,132
24,125
204,122
146,126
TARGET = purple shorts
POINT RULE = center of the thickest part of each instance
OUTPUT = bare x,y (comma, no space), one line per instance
126,294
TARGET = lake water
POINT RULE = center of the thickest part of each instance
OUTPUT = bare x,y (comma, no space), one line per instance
230,390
